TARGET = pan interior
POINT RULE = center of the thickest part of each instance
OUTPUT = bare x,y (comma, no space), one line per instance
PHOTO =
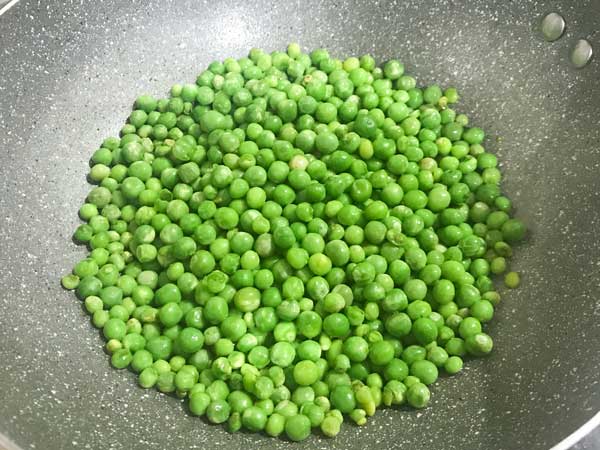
68,77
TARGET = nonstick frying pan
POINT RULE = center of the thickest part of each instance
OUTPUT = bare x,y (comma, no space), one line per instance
69,72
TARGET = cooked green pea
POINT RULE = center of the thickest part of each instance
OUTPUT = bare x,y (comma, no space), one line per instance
512,280
289,227
297,428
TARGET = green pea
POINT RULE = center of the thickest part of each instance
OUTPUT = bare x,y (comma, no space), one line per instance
297,231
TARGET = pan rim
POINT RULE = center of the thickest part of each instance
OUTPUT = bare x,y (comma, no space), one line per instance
577,435
9,5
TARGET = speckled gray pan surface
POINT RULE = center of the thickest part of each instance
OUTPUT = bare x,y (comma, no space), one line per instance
68,75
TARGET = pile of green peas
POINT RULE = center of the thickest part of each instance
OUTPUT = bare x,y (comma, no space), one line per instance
295,240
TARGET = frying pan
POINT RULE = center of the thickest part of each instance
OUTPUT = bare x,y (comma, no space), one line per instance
69,72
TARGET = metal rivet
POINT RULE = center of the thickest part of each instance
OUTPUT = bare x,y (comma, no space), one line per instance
581,53
553,26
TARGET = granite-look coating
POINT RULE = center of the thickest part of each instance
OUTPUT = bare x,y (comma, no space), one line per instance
69,73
